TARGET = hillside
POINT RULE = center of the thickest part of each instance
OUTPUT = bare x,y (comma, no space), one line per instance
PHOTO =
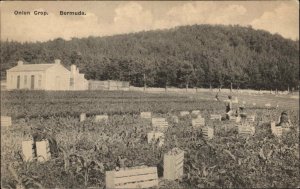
197,55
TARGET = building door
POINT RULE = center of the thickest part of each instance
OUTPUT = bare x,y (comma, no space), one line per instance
32,82
18,82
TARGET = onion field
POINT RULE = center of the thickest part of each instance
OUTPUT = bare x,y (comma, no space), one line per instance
87,149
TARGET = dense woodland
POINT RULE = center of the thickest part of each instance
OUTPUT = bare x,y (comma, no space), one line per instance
186,56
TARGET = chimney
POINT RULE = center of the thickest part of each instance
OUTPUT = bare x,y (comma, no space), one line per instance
57,61
73,68
20,63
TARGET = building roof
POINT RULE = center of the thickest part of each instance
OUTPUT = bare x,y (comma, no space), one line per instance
31,67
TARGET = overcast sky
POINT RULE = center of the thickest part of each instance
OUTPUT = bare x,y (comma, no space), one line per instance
109,18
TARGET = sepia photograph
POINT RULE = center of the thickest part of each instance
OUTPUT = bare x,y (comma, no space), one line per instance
149,94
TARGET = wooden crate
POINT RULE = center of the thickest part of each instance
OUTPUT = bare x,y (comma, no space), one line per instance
82,117
173,164
198,122
235,101
28,150
208,133
146,115
268,105
276,130
136,177
246,130
184,113
101,118
154,135
235,119
215,117
250,118
5,121
196,112
160,124
175,119
43,150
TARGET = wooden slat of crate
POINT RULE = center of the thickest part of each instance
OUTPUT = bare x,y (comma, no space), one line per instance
143,184
82,117
184,113
132,178
43,150
5,121
198,122
146,115
28,150
100,118
208,133
215,117
173,166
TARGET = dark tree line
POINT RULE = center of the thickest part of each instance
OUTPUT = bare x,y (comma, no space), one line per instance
186,56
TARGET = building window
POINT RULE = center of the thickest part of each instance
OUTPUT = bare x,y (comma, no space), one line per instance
40,81
18,82
32,82
25,80
71,82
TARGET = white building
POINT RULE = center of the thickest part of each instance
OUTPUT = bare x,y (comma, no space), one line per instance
50,76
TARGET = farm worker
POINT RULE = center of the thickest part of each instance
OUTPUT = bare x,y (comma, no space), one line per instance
229,111
284,120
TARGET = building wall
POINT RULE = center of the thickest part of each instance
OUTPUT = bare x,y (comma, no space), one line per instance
57,78
77,80
25,80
